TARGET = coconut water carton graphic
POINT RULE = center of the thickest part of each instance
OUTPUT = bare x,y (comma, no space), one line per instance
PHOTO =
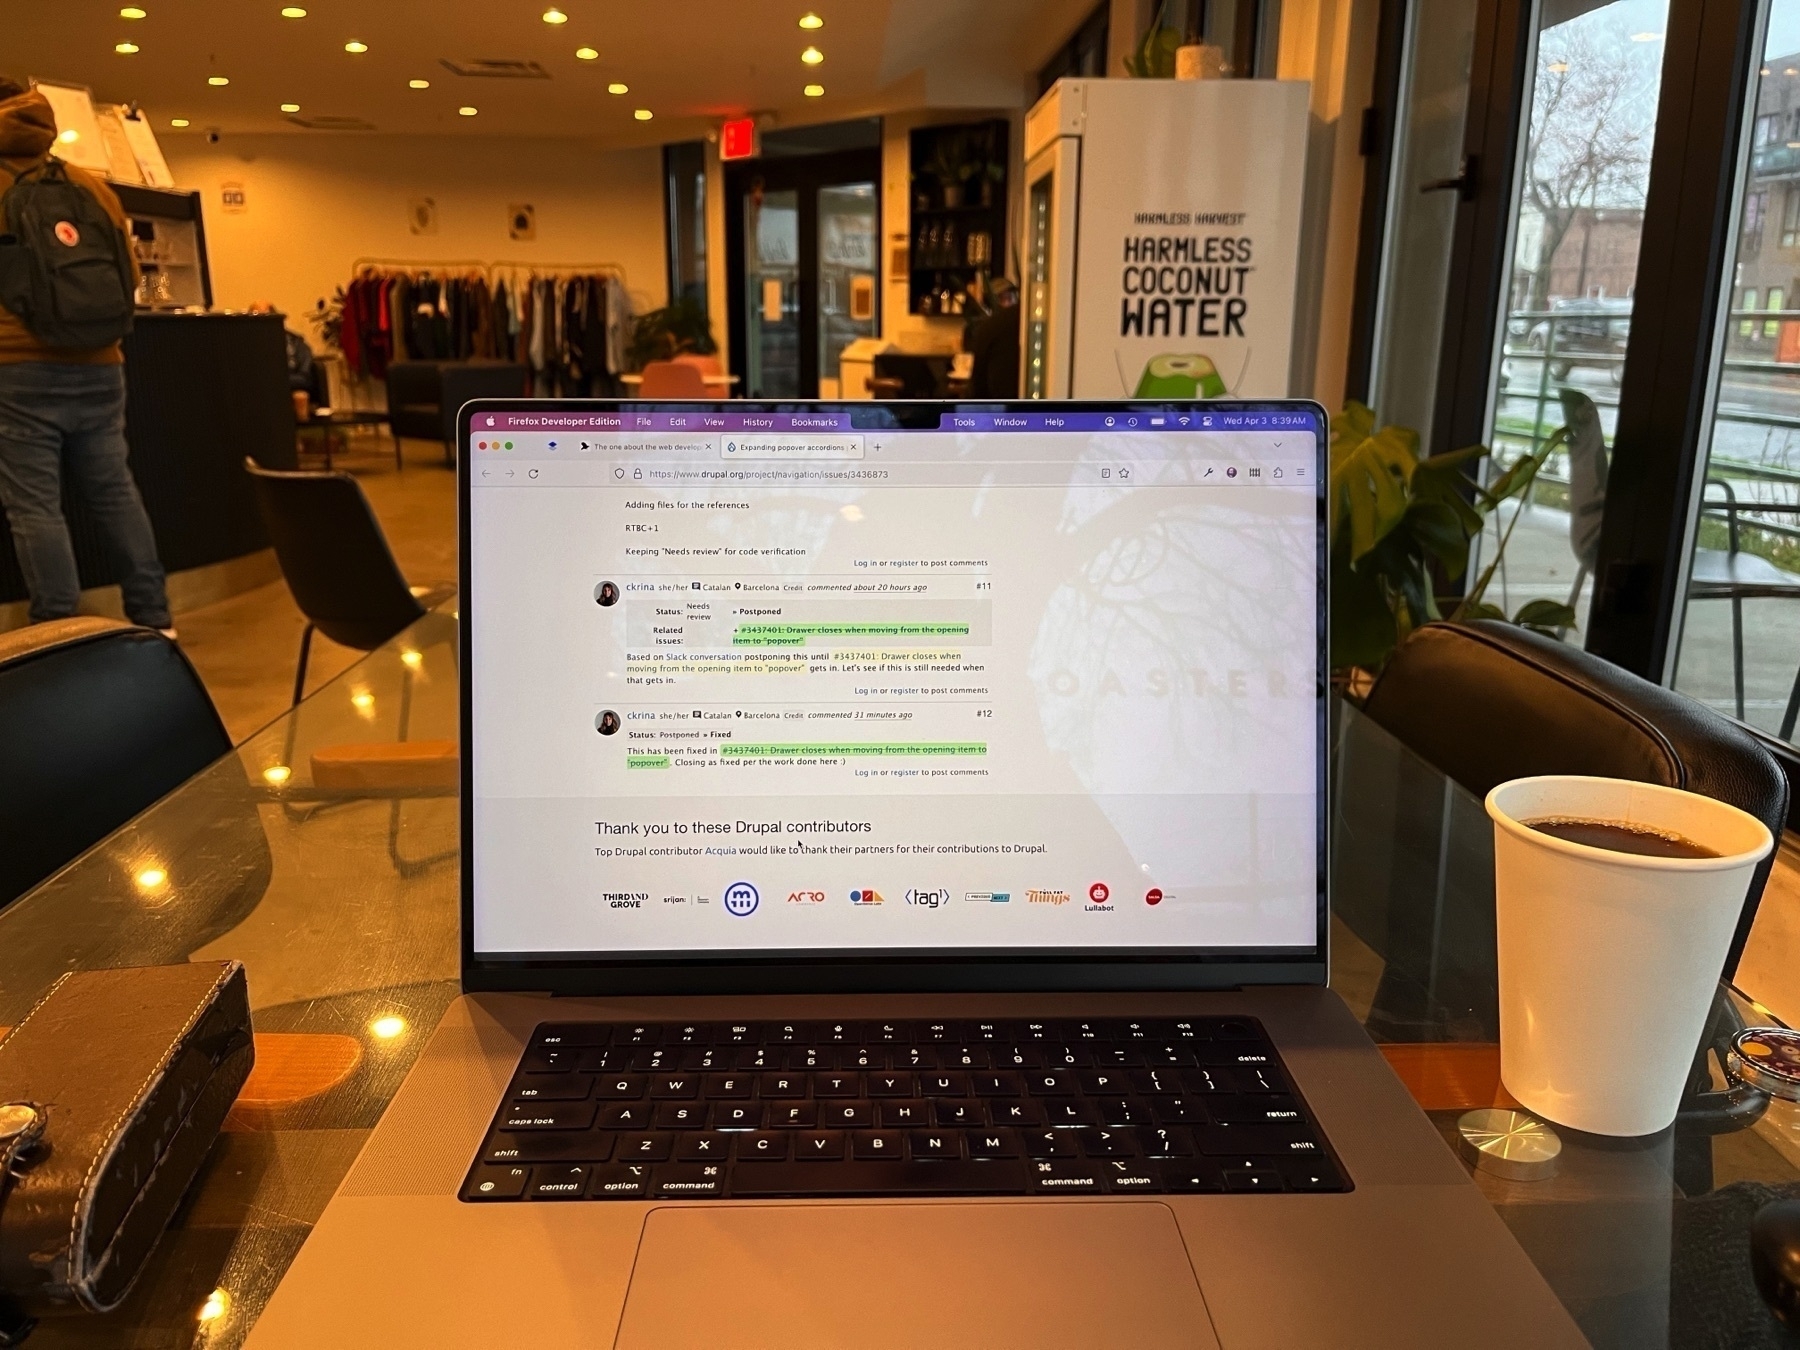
1180,376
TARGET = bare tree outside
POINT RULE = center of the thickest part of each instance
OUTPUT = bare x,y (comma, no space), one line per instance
1590,137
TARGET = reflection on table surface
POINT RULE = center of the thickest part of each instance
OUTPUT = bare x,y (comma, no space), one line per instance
322,854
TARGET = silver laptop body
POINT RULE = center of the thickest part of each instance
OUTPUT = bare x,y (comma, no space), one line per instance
903,716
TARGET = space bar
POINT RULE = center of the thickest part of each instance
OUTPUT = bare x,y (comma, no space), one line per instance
878,1178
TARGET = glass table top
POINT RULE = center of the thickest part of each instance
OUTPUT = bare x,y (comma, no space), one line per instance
322,854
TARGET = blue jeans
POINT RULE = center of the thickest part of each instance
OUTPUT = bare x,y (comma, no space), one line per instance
69,420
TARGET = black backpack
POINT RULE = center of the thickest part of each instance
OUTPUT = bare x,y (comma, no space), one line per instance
65,267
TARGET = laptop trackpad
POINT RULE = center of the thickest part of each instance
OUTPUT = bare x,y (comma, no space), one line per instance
939,1275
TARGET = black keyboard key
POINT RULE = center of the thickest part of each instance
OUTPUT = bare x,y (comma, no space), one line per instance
1312,1174
496,1183
1124,1113
998,1085
1181,1111
767,1145
680,1115
853,1178
878,1145
552,1059
691,1033
968,1059
788,1033
605,1061
1050,1084
885,1033
864,1057
1066,1113
791,1115
1016,1113
1091,1030
914,1057
934,1145
548,1116
626,1116
1192,1174
1155,1082
540,1146
778,1085
573,1033
1254,1179
1019,1057
1220,1141
626,1033
628,1181
1051,1144
620,1087
728,1086
653,1059
1107,1143
758,1058
819,1146
903,1115
644,1148
1118,1057
690,1182
1204,1082
1103,1082
1165,1142
944,1084
936,1032
811,1058
1069,1178
1176,1055
993,1144
557,1181
1256,1109
949,1111
737,1115
1232,1029
846,1115
836,1085
737,1033
673,1086
1125,1175
698,1148
889,1084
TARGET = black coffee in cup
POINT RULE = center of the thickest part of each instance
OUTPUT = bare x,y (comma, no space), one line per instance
1621,837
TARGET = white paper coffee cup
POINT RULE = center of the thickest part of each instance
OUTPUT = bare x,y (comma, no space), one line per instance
1609,962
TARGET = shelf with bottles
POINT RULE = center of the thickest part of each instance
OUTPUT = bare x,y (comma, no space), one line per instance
958,212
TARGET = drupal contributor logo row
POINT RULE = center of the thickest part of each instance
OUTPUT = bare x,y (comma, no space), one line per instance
742,898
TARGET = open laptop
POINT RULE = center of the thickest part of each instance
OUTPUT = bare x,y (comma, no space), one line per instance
894,908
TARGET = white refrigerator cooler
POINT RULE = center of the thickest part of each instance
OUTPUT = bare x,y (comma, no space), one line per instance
1162,238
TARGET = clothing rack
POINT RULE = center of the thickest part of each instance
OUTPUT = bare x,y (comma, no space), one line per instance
487,269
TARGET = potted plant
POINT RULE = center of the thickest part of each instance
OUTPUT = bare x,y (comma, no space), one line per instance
951,165
663,334
1396,517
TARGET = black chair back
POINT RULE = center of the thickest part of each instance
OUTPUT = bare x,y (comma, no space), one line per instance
336,560
98,719
1486,702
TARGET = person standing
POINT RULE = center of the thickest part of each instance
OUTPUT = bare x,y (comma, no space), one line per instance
62,372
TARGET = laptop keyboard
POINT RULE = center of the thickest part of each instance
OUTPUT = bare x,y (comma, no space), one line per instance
623,1111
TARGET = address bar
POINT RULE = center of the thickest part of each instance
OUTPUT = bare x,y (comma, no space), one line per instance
790,447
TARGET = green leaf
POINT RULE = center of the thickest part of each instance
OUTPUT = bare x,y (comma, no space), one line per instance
1479,609
1362,624
1545,616
1369,478
1440,531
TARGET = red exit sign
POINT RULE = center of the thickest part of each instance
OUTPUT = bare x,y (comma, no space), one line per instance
737,138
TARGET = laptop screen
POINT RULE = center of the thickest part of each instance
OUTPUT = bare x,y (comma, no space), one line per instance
749,682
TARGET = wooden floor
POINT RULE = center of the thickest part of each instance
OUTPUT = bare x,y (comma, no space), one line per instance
245,647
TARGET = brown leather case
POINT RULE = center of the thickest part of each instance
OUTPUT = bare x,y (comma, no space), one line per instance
136,1069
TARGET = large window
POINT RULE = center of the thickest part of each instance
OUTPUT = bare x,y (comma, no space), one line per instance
1740,626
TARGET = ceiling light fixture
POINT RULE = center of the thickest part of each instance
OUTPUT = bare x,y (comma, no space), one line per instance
643,114
356,48
418,84
586,54
814,91
290,107
178,121
812,56
809,21
126,48
217,81
555,15
616,88
133,12
293,12
466,111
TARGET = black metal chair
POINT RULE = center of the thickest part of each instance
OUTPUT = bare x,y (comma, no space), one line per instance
1731,574
98,719
338,566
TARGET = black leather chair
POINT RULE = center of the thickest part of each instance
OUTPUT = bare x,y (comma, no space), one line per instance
424,397
98,719
338,566
1488,701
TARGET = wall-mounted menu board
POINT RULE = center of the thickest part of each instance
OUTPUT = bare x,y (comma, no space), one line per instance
79,139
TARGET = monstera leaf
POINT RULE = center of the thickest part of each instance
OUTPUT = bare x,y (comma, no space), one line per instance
1371,471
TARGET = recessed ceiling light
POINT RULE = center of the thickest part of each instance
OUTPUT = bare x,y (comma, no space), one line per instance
643,114
555,15
356,48
586,54
811,20
133,12
126,48
812,56
217,81
290,107
178,121
616,88
293,12
814,91
467,111
418,84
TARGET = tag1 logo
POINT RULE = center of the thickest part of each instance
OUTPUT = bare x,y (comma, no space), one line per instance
67,234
